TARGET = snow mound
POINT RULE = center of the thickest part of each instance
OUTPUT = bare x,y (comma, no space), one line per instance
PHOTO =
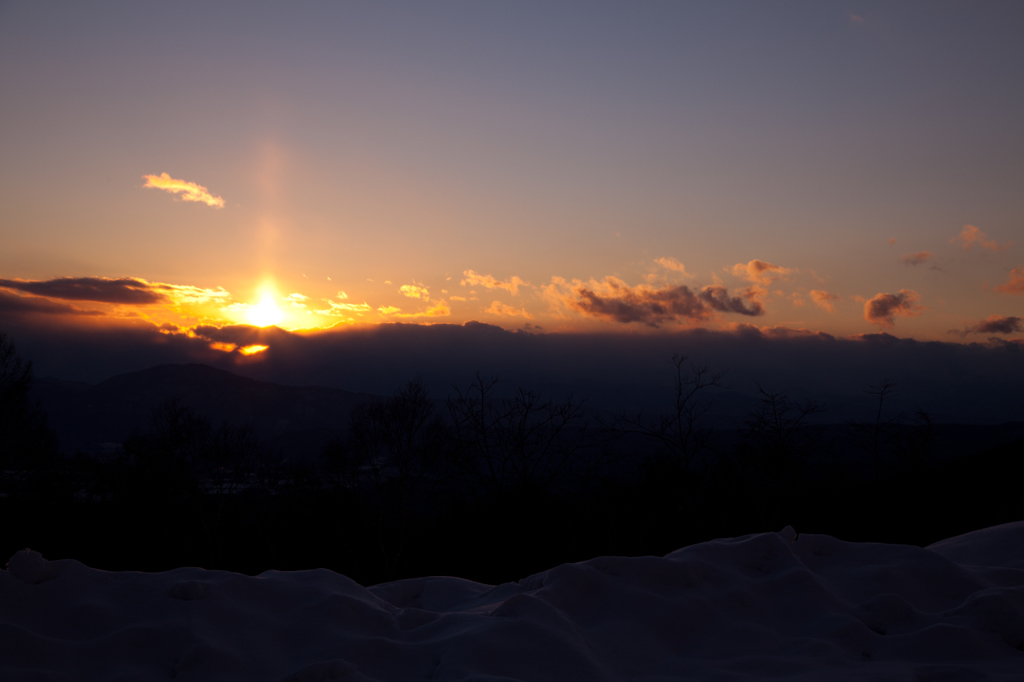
996,546
775,606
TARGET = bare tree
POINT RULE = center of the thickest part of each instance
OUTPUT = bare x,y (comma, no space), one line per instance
683,433
874,435
397,457
776,434
525,442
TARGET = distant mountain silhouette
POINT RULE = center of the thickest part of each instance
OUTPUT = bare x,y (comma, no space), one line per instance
95,417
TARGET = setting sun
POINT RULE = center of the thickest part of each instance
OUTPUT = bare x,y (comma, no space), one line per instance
265,313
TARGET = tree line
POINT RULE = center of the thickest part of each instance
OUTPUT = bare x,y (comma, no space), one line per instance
481,485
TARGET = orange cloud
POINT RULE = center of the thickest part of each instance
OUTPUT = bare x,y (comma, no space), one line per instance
825,299
439,309
414,291
672,264
971,235
253,349
499,308
916,258
511,285
881,309
1015,284
760,272
189,191
340,309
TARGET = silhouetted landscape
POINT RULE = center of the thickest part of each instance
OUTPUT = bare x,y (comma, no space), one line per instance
190,465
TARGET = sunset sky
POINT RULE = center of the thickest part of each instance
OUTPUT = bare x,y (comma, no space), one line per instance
844,167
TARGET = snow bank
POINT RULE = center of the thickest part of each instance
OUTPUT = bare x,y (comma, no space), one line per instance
777,606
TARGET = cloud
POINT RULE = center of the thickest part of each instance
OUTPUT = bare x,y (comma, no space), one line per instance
917,258
760,272
341,309
439,309
971,235
717,297
189,191
122,291
881,309
473,279
414,291
962,382
11,304
995,324
126,290
499,308
672,264
614,299
825,299
1015,284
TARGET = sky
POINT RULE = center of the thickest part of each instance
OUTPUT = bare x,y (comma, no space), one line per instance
845,168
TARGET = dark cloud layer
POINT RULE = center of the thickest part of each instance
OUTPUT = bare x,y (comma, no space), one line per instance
25,305
126,290
973,383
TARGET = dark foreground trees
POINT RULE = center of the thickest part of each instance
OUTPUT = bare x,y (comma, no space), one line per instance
494,486
26,445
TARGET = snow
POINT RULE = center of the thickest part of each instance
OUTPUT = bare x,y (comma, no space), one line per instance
773,606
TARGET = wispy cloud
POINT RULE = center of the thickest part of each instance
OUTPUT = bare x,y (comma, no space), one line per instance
335,309
499,308
760,272
824,299
440,308
917,258
189,191
971,235
881,309
510,285
1015,284
672,264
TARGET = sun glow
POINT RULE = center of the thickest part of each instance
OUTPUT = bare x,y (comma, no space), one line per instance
265,313
253,349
